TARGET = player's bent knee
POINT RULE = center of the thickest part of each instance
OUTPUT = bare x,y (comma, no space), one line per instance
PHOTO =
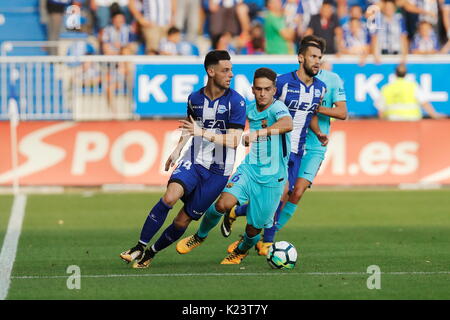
222,206
252,231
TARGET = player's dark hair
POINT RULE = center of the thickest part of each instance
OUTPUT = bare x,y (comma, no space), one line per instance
173,30
213,57
265,73
312,41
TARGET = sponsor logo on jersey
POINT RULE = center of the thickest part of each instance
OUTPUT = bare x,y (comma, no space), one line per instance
221,109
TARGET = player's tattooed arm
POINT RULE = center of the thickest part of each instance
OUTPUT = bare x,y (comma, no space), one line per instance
230,139
338,112
314,126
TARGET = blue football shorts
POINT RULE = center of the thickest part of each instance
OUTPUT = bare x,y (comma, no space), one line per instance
201,187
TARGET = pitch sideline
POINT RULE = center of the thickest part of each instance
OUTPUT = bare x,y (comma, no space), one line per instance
275,273
9,248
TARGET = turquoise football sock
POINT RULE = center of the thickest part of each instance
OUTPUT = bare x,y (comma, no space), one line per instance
285,214
209,221
248,242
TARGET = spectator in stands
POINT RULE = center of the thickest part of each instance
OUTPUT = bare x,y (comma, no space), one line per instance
54,10
224,42
355,11
228,16
425,40
102,12
279,39
256,43
173,44
390,37
292,16
356,40
118,37
402,99
187,14
308,8
155,18
326,25
415,11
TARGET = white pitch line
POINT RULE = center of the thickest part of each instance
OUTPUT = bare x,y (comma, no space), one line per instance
9,248
275,273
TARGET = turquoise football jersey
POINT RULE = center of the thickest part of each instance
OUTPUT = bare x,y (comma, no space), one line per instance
267,160
335,92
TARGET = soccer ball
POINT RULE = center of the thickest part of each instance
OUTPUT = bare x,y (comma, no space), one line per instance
282,255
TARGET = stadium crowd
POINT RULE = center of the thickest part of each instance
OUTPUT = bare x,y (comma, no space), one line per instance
192,27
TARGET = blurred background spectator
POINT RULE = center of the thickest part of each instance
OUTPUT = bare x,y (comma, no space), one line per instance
425,40
356,40
355,27
187,18
155,17
326,25
174,45
390,36
53,11
102,13
118,37
228,16
278,37
256,44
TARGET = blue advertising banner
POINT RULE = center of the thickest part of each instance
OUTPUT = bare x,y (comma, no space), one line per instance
162,89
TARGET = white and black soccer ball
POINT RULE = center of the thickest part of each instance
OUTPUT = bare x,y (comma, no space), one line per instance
282,255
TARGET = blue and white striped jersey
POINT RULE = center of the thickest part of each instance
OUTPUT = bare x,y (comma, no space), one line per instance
226,112
158,12
302,102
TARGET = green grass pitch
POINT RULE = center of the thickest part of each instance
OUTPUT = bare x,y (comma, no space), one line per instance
338,234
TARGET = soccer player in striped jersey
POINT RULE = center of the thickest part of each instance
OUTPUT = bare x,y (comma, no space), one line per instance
216,118
303,86
260,179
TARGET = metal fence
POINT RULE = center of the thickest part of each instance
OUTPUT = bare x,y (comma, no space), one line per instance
76,88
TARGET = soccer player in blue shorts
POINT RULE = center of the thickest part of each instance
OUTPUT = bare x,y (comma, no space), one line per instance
333,105
261,177
217,117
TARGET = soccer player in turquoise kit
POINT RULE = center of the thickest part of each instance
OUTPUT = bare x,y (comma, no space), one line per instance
333,105
261,177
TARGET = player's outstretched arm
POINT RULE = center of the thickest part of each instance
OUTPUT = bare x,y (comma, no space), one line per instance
230,139
338,112
283,125
314,126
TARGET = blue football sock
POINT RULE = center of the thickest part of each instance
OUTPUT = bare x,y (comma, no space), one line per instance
169,236
248,242
209,221
154,221
241,210
269,233
285,214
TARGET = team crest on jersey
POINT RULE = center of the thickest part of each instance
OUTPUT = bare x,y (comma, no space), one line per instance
221,109
264,123
317,93
229,185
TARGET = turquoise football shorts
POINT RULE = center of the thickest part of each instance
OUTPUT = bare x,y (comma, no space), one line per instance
310,165
262,200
